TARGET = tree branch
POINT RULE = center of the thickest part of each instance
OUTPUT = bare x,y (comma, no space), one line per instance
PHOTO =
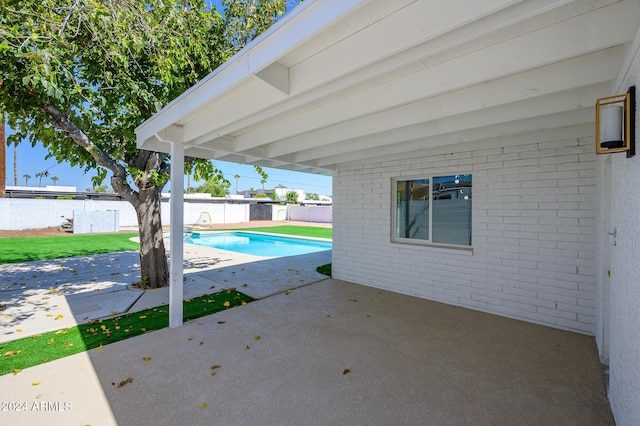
119,179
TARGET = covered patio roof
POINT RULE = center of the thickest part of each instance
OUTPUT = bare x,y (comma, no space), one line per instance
340,80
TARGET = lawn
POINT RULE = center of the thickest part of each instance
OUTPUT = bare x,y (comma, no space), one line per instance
13,250
302,231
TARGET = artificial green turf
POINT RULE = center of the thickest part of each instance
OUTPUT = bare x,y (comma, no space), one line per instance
303,231
29,351
324,269
14,250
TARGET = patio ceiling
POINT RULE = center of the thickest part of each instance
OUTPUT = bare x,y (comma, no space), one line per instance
342,80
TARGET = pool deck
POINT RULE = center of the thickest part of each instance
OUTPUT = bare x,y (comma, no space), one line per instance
49,295
327,353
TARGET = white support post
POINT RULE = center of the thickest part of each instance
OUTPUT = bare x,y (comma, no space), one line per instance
176,228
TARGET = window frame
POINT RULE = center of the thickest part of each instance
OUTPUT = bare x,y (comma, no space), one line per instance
419,241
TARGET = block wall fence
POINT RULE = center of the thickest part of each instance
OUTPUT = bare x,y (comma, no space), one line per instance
18,214
533,218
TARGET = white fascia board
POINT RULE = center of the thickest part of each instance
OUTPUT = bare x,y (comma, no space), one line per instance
303,22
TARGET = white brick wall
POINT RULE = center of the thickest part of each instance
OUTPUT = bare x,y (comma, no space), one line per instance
534,211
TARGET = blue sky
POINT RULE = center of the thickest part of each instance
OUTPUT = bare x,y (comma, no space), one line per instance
31,160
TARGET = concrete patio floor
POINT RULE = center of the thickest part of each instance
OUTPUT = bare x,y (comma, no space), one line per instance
328,353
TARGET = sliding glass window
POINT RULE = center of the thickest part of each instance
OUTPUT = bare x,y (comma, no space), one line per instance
435,209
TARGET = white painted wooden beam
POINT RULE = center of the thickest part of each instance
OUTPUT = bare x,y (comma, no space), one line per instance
277,76
577,36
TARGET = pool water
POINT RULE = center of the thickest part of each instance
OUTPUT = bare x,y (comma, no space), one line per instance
258,244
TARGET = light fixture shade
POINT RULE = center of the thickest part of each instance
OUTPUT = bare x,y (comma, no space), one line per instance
612,126
615,123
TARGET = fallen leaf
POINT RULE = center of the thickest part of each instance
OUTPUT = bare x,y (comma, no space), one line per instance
59,317
143,316
287,292
35,383
257,337
246,348
346,371
19,330
244,303
99,347
146,358
15,371
125,381
226,304
221,322
190,339
49,315
203,405
214,367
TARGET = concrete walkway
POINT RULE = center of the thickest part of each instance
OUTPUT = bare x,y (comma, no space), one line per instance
329,353
49,295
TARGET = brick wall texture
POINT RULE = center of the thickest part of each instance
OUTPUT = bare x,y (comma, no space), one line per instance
534,218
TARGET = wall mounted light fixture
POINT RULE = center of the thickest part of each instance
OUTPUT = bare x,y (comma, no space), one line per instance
616,123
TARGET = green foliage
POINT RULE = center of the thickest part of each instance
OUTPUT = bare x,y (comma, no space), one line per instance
107,66
215,187
66,197
292,197
312,196
260,196
99,189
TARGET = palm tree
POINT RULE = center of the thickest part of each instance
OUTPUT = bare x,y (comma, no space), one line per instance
40,176
26,179
54,179
236,177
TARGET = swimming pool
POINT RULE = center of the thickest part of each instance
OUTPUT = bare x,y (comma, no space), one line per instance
258,244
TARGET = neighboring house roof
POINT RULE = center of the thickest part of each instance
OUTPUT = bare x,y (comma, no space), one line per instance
342,80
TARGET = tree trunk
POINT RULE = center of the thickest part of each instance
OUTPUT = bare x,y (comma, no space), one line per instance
154,270
15,164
